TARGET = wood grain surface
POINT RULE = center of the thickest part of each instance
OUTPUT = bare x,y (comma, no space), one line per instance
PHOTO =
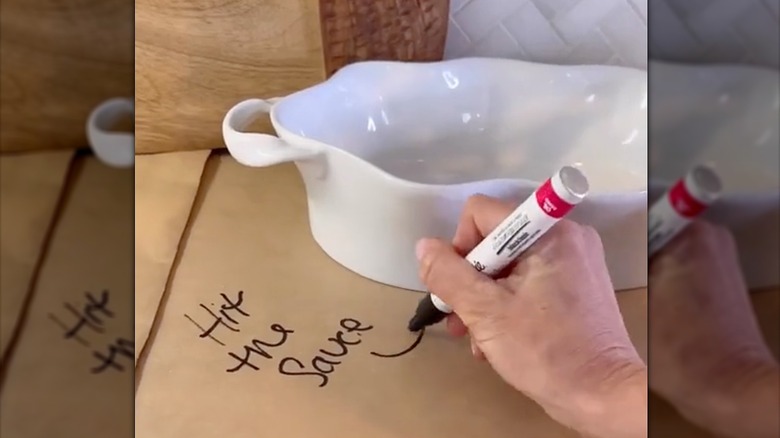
197,58
356,30
59,60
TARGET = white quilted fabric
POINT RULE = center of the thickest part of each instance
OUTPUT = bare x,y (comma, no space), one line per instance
550,31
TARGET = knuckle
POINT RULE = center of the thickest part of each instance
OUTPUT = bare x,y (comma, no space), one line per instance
438,267
426,268
453,278
568,227
480,203
476,198
702,230
480,282
589,233
556,240
727,239
709,237
699,235
592,238
577,237
475,201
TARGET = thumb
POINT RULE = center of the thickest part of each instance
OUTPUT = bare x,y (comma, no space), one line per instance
453,279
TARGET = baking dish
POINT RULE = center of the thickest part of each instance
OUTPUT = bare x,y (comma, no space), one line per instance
724,116
389,152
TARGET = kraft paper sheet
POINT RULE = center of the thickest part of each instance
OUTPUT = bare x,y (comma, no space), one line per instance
70,374
165,188
665,420
30,189
253,293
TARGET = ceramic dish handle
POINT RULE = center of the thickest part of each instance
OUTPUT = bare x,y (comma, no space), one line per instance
114,148
255,149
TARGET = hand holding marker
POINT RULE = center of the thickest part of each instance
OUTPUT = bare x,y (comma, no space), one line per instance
521,229
687,199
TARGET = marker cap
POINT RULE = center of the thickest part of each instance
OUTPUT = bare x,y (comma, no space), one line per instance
692,194
703,184
570,184
559,194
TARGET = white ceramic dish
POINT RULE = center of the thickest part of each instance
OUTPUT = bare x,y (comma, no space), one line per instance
725,116
116,149
390,151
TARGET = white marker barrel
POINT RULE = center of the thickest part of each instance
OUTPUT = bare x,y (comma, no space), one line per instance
526,224
688,198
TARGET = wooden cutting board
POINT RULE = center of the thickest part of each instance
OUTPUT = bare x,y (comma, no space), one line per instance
59,61
196,59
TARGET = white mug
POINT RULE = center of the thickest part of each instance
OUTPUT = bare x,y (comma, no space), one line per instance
116,149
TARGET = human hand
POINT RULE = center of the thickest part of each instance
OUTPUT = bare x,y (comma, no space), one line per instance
708,357
549,325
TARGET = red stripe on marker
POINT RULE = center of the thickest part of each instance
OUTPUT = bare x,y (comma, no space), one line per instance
683,203
550,202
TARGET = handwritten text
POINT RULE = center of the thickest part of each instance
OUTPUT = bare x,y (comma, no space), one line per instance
260,349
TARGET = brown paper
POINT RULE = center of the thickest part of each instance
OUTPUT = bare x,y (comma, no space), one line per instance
766,304
30,188
250,243
57,386
165,188
666,422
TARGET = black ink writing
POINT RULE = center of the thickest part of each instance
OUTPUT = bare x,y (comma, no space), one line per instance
353,325
121,347
91,316
324,363
251,355
224,318
203,330
407,350
318,362
257,348
283,369
340,342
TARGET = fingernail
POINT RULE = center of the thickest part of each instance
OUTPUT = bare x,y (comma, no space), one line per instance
421,248
474,350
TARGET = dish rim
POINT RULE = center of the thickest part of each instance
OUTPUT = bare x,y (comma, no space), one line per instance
295,138
727,195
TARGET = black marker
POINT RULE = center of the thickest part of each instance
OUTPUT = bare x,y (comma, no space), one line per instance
537,214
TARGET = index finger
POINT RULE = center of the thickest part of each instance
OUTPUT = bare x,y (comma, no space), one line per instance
481,215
